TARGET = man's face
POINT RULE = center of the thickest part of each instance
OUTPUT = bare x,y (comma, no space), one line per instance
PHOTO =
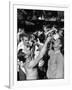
56,43
25,40
30,43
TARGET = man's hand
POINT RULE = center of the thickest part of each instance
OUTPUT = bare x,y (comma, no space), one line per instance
49,38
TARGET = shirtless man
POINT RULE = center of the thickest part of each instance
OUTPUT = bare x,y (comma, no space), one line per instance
56,62
29,65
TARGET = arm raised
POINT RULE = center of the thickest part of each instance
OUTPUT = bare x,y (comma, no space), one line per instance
41,54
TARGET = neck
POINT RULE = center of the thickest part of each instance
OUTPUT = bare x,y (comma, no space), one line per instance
56,49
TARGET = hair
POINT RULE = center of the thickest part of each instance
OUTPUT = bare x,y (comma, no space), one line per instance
25,35
21,56
42,38
62,45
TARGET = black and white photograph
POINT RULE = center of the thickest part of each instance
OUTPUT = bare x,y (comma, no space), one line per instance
40,44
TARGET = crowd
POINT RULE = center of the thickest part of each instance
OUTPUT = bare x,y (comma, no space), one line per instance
40,55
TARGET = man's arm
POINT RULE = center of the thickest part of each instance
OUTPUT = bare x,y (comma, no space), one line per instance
41,54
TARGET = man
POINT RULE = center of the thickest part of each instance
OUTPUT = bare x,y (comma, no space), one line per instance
24,45
31,70
56,62
22,51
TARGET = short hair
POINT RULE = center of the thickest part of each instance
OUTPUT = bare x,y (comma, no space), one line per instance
24,35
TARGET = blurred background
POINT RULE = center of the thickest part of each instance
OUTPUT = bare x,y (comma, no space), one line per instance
33,20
